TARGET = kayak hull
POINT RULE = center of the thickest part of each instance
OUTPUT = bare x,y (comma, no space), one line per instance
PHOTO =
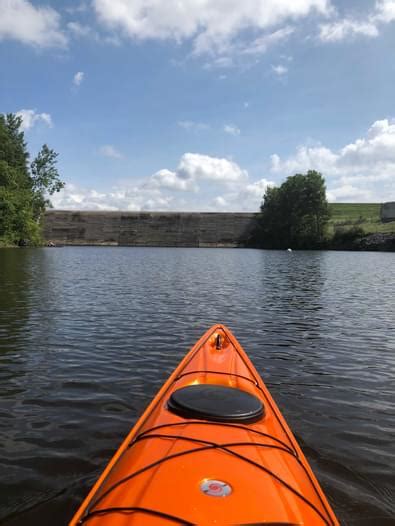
176,468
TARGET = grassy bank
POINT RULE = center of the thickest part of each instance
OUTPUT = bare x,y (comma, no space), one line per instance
346,216
6,244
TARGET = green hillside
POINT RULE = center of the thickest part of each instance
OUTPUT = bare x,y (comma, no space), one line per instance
345,216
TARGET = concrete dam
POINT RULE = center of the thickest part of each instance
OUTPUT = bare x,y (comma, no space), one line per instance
148,229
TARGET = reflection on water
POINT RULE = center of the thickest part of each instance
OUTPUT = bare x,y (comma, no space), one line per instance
88,335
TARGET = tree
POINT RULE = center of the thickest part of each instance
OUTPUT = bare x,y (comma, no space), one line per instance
44,179
23,189
12,145
294,214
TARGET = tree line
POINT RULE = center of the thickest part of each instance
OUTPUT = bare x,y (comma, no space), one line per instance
24,185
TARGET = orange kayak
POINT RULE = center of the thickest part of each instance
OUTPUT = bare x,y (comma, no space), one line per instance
212,448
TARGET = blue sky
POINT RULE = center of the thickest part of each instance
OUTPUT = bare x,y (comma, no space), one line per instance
200,104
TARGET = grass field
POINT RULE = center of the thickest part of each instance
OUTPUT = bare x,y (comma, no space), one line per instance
363,215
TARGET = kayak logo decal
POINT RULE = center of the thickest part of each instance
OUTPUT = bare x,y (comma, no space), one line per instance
215,488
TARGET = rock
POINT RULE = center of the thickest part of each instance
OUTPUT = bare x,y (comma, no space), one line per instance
377,242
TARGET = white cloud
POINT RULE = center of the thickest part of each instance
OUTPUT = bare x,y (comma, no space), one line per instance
37,26
108,150
347,28
280,70
195,167
199,182
385,11
229,52
354,171
349,193
305,158
221,202
245,198
78,78
232,129
30,118
261,44
213,26
132,198
171,180
257,188
203,167
369,26
193,126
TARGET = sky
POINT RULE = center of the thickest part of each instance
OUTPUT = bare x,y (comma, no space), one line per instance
199,105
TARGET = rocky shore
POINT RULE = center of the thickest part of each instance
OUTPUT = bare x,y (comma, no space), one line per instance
372,242
384,242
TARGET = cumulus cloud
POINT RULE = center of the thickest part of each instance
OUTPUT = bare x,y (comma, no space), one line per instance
352,172
108,150
212,28
30,118
195,167
199,183
385,11
133,198
351,27
203,167
232,129
78,78
34,25
244,198
349,193
171,180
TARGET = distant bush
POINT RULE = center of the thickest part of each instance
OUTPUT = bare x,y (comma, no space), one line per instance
294,214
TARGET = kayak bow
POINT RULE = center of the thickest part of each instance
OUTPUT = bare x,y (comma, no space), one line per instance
211,448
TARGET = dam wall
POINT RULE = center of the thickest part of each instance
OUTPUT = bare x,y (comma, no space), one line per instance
387,212
147,229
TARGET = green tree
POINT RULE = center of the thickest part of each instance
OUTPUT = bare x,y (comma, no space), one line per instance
23,188
294,214
13,147
45,179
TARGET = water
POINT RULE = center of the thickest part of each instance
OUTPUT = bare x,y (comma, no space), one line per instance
88,335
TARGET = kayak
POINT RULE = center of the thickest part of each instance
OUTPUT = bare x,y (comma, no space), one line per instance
212,448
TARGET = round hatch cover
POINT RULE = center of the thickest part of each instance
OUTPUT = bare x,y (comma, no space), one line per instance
216,403
215,488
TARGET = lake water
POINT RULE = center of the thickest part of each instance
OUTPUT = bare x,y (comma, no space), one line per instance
88,335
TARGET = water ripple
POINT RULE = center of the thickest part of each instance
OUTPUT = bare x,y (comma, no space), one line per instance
88,336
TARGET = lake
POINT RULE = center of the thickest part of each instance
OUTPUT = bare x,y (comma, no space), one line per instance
88,335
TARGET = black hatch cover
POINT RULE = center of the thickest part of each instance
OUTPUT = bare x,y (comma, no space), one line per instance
217,403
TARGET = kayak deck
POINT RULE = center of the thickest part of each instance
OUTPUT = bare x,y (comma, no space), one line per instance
180,465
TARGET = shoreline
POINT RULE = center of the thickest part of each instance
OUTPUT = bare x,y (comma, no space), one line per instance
370,243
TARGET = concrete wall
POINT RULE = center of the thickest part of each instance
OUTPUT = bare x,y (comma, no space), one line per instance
181,229
387,212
